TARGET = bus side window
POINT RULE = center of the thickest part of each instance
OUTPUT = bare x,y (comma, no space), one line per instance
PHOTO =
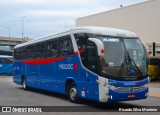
37,51
48,49
54,48
31,53
51,48
9,60
2,61
18,54
81,40
65,47
42,50
23,53
27,52
15,54
92,57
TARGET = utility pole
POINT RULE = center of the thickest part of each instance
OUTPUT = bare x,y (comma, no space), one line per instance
9,37
22,26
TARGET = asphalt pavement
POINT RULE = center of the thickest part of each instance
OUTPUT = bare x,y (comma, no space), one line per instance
12,94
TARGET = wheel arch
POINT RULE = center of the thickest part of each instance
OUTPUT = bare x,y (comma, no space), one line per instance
69,81
22,78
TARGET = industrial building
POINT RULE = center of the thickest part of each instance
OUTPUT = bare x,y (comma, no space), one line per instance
11,41
142,18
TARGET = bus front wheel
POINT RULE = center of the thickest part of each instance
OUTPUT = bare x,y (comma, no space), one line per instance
72,93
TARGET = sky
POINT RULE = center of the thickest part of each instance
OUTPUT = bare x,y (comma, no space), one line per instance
46,17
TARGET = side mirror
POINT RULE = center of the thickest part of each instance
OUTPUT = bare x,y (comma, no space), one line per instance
99,44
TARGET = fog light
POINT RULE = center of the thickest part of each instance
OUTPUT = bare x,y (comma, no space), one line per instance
110,96
146,94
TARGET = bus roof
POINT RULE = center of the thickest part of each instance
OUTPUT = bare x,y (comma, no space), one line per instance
96,30
5,56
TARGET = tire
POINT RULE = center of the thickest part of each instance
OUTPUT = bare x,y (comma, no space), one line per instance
24,84
72,93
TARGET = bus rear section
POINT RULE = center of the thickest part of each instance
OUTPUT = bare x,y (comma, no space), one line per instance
83,64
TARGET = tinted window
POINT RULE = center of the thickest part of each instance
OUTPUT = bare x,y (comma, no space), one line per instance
9,60
17,54
31,53
37,51
65,46
81,40
42,50
23,53
51,48
6,60
92,57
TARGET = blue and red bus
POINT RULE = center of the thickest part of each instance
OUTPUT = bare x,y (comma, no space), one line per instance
6,65
95,63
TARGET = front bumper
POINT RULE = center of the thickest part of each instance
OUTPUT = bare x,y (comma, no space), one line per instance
114,95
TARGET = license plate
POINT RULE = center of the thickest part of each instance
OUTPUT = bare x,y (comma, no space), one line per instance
131,95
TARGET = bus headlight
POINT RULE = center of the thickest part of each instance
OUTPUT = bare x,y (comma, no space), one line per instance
146,94
110,97
145,85
112,87
102,83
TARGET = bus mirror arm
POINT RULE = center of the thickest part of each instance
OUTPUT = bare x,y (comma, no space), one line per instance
99,44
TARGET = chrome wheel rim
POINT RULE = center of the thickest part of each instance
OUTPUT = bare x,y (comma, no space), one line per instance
73,93
24,83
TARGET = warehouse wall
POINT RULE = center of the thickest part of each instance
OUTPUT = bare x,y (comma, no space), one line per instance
142,18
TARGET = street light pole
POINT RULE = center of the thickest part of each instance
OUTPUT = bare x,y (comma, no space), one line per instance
22,26
9,36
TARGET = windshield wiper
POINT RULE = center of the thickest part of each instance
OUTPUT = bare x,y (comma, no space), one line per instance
130,60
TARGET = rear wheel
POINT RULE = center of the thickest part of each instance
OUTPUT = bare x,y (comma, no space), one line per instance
24,83
72,93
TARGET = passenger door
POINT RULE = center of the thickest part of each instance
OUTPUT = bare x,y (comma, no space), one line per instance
92,60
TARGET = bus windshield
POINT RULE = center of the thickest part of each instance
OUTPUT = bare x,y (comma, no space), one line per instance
6,60
123,57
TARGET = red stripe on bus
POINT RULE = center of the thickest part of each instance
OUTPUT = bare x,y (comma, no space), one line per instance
42,61
80,51
48,60
75,53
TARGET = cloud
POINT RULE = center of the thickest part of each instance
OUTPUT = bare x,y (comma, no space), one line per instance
48,16
67,13
46,2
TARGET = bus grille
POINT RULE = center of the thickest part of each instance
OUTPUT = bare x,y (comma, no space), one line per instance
129,89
